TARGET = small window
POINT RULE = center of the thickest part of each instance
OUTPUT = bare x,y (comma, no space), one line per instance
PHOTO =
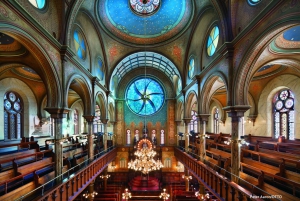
80,46
40,4
128,134
212,41
191,67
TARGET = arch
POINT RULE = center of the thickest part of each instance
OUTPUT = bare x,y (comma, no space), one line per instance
29,102
190,101
111,111
179,111
208,91
243,77
47,59
81,87
101,102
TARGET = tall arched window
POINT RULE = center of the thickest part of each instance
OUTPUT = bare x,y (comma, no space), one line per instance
194,121
13,115
97,121
128,133
283,110
162,137
216,120
76,122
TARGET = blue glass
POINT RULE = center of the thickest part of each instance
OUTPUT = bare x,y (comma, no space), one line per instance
41,3
212,41
253,2
100,69
191,68
292,34
145,96
79,45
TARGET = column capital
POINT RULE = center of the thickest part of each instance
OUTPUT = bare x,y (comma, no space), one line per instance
178,122
203,117
187,120
104,121
237,110
57,113
89,118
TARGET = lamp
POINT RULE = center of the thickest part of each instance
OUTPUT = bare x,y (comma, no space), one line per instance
144,161
201,196
164,195
187,177
87,194
240,142
126,195
105,176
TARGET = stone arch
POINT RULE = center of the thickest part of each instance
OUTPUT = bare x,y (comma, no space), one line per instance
179,110
48,59
101,102
190,101
111,111
207,91
244,75
81,87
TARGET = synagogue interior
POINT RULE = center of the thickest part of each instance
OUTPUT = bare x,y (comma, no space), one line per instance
149,100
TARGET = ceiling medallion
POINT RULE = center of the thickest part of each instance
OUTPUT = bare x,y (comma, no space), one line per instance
144,7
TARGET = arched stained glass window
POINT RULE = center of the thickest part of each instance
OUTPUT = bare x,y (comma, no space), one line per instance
79,43
145,7
216,120
100,70
13,116
193,125
212,41
145,96
283,110
98,126
191,67
40,4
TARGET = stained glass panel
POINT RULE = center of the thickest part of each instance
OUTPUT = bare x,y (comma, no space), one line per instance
191,67
40,4
79,43
212,41
12,126
145,96
144,7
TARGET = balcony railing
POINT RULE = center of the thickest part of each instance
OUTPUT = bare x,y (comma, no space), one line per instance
70,184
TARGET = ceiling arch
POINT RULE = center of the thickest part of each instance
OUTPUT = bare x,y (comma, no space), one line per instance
142,60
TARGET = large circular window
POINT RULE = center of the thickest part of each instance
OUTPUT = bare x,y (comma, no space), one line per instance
145,96
144,7
212,41
40,4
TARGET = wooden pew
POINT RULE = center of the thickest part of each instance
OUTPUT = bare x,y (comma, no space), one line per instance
259,182
25,157
25,169
12,146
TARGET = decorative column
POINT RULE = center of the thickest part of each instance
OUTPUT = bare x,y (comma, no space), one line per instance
58,114
203,119
236,113
105,136
187,179
186,133
90,134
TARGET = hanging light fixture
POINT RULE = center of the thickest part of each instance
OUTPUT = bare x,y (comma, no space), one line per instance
126,195
144,161
201,197
92,195
164,195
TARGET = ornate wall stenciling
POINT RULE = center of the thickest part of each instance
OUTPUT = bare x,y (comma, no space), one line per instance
171,122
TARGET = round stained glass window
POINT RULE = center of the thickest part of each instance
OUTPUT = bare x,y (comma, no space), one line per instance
191,67
40,4
79,45
212,41
145,96
144,7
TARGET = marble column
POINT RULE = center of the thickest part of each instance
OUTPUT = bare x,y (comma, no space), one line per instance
58,114
236,113
90,135
203,119
186,133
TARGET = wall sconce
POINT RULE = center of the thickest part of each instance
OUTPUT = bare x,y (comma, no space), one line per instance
202,136
187,177
251,119
240,142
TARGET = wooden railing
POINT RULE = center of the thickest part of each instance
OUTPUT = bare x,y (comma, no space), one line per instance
75,184
217,184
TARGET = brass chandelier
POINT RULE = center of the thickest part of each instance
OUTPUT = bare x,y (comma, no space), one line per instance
144,161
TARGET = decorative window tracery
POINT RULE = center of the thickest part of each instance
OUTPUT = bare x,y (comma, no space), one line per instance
79,43
212,41
144,7
283,111
13,115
